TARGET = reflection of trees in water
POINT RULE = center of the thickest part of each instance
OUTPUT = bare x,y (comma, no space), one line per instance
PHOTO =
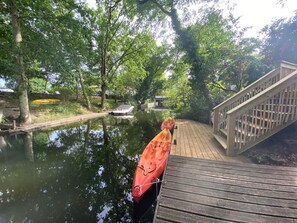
81,173
28,146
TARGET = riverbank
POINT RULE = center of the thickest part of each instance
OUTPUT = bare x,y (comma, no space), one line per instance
50,114
55,123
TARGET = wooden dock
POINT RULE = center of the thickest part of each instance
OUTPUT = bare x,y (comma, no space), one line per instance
197,190
204,186
194,139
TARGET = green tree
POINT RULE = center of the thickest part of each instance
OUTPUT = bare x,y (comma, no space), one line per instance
126,82
37,85
56,43
177,88
25,117
186,40
155,67
280,41
118,36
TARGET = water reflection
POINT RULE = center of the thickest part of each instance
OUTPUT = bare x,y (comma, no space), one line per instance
80,173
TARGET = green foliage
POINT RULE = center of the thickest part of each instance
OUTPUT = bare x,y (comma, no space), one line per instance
155,67
177,88
280,41
75,49
242,67
198,109
37,85
132,73
119,36
48,112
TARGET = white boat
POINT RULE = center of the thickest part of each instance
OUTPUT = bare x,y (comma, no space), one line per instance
124,116
123,110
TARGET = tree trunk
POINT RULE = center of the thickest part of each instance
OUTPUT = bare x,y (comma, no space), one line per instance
188,43
25,117
82,84
28,144
103,79
76,89
87,135
103,92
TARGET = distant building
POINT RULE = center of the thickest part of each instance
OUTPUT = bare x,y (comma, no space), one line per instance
159,101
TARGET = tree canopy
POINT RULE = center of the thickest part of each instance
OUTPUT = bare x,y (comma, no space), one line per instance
280,41
68,46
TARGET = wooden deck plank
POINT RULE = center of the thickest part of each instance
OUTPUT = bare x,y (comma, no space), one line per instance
240,166
199,137
239,172
195,140
236,182
167,215
214,149
204,190
232,195
218,212
193,145
235,188
201,133
236,177
197,148
230,205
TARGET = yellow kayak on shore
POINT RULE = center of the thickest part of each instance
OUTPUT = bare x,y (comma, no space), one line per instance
46,101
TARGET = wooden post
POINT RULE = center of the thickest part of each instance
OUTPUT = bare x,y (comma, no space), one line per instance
230,134
216,120
1,115
14,124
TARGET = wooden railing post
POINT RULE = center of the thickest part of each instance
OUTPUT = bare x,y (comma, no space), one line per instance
286,68
216,120
230,135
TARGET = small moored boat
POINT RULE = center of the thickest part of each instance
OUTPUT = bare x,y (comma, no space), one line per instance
123,110
46,101
168,124
151,164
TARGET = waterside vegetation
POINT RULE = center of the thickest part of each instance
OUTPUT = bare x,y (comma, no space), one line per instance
120,49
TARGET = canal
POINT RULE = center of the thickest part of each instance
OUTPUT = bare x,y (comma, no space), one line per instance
74,173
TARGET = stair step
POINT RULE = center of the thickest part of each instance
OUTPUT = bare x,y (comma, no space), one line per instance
254,117
248,133
252,125
221,140
224,132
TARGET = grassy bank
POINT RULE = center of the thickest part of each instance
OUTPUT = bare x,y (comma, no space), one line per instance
55,111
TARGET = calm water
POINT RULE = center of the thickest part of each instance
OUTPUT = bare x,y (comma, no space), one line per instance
77,173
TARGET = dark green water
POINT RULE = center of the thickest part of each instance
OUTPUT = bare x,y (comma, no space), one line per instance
77,173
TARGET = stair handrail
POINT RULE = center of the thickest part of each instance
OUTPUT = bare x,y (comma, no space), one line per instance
269,92
234,100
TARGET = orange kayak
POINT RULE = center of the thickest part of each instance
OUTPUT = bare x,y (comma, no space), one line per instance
151,164
168,123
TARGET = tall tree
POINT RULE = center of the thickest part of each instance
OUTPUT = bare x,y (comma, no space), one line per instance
187,42
281,41
155,67
119,35
177,87
57,42
25,117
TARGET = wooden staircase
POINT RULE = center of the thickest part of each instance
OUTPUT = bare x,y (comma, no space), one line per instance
258,111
